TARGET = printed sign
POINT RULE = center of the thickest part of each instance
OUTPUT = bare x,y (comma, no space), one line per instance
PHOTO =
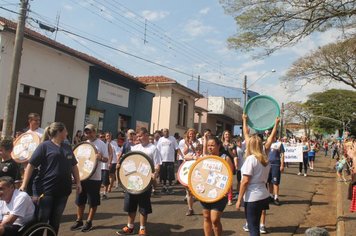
293,153
113,93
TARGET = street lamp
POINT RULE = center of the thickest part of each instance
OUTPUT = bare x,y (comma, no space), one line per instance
245,84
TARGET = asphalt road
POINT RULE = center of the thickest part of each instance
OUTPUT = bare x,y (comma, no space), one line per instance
305,202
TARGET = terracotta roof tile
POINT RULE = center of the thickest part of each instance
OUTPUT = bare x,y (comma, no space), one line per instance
11,26
155,79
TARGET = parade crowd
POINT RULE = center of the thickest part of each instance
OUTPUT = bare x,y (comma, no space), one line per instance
40,186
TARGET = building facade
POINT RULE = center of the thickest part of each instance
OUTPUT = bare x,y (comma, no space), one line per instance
62,84
173,104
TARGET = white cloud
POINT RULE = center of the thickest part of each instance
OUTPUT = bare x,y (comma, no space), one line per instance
129,14
68,7
197,28
154,15
204,11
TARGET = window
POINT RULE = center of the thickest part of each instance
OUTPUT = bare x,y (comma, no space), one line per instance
182,112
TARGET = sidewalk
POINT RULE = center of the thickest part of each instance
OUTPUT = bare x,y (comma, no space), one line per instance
346,220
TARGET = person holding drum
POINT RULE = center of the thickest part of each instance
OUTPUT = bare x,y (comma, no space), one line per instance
188,147
143,200
8,167
53,183
91,187
34,122
255,171
212,211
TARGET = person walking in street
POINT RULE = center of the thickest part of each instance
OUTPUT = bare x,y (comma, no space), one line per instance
167,147
143,200
229,148
306,149
90,187
212,211
276,160
53,182
255,171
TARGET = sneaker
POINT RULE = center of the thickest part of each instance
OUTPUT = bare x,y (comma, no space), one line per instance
142,232
190,212
229,203
164,189
263,229
77,225
245,228
276,202
87,227
170,191
299,173
125,231
104,197
305,175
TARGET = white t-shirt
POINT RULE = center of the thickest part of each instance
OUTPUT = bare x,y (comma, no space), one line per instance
256,189
151,151
21,205
181,148
39,131
167,148
115,151
240,157
105,165
103,149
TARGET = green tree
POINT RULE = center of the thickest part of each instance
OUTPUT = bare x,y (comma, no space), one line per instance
273,24
333,62
332,109
296,112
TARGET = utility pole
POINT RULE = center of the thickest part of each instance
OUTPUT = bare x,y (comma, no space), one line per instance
245,90
198,83
282,116
16,60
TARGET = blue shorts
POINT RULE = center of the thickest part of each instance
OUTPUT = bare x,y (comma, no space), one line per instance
274,176
215,206
311,158
90,193
143,201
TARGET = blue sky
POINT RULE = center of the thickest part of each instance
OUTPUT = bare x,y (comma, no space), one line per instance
186,36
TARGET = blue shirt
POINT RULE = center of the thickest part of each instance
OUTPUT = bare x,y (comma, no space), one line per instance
55,165
274,155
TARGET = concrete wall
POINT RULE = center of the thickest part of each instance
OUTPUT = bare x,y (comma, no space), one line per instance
48,69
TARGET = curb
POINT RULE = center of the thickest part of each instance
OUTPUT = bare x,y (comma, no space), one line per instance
340,223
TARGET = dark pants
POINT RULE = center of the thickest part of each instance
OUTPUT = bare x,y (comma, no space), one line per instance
305,163
50,210
253,212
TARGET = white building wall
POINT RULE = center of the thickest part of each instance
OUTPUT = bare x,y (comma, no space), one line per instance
47,69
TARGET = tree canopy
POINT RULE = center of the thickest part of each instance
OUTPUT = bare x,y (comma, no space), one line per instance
273,24
333,62
332,109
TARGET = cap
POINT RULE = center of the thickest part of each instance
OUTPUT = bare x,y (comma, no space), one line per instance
131,131
90,127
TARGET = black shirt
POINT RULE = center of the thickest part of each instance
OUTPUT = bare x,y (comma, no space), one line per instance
10,168
55,164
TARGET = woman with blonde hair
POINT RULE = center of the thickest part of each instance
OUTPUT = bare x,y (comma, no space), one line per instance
255,171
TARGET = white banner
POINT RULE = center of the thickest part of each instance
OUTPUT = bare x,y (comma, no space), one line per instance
113,93
293,153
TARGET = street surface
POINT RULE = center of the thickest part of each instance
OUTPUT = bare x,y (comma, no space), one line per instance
305,202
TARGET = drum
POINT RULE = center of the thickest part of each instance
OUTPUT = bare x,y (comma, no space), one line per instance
183,172
24,146
135,172
85,153
210,179
262,112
